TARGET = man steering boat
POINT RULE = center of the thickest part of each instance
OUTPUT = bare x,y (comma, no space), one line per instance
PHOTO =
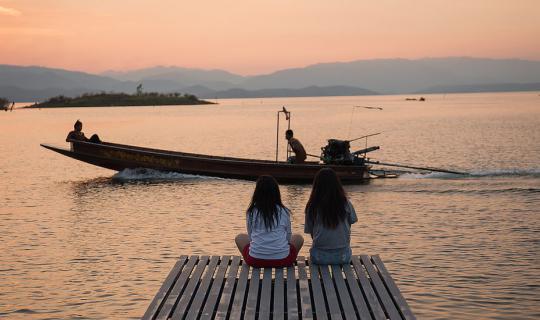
297,148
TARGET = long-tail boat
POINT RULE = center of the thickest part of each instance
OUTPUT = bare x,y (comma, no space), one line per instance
119,157
351,167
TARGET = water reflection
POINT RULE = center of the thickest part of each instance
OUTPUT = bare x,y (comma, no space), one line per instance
84,243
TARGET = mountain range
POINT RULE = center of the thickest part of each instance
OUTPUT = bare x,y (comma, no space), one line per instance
362,77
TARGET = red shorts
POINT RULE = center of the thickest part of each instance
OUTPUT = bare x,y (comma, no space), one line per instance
266,263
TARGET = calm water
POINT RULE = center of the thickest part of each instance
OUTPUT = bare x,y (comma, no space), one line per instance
81,242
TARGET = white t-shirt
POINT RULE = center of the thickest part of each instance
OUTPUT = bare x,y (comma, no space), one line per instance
269,244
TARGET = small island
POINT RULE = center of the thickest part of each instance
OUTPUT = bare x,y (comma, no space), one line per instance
112,99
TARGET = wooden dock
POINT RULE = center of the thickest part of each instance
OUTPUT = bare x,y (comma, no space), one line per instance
224,287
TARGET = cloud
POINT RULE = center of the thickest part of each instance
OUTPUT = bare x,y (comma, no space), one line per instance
9,12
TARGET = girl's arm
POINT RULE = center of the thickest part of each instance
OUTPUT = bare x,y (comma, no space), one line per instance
308,224
289,229
352,213
248,225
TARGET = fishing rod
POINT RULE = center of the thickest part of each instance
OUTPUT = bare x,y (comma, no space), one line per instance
415,167
352,114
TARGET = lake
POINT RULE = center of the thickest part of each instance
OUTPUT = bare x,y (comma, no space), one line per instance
82,242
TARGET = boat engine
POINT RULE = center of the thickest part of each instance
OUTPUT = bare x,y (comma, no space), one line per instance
337,152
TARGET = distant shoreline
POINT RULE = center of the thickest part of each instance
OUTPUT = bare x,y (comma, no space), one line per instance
103,100
32,105
36,105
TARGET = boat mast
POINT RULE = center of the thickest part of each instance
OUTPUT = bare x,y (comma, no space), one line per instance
288,118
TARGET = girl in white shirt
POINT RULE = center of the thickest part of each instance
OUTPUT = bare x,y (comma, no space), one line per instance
269,241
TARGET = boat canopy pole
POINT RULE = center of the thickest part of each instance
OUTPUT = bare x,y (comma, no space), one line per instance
362,137
288,118
415,167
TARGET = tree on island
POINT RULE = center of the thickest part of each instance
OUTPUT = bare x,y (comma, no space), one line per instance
4,103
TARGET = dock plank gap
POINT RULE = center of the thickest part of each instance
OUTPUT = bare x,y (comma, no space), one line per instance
225,287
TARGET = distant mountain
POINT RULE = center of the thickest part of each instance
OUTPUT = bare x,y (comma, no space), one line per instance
401,75
157,77
39,78
386,76
312,91
36,95
39,83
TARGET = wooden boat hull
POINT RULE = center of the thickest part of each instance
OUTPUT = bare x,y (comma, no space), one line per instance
119,157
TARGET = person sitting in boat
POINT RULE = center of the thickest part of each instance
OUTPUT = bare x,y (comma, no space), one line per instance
297,148
78,135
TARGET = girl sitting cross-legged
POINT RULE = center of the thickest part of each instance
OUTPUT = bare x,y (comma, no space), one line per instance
329,215
269,241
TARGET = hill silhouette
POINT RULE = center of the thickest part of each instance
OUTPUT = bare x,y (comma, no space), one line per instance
384,76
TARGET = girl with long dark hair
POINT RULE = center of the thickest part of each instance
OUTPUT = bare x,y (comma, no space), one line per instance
269,241
329,216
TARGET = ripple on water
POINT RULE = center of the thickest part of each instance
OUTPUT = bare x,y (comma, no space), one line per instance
80,243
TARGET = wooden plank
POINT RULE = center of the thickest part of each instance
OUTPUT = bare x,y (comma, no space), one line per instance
177,289
192,291
356,293
213,296
318,294
253,295
330,292
189,293
370,294
387,302
266,295
305,299
167,286
202,290
343,293
394,291
240,292
292,301
228,288
278,307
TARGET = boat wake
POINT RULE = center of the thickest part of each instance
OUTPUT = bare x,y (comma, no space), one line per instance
526,173
143,174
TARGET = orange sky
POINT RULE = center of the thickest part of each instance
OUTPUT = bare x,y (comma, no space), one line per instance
259,36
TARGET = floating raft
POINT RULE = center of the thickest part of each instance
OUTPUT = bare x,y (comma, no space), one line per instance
202,287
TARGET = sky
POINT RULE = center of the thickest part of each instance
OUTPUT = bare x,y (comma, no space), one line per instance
260,36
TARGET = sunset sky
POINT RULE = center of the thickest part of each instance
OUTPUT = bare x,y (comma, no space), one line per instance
260,36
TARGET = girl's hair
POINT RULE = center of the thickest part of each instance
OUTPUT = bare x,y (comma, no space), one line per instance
267,200
328,200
